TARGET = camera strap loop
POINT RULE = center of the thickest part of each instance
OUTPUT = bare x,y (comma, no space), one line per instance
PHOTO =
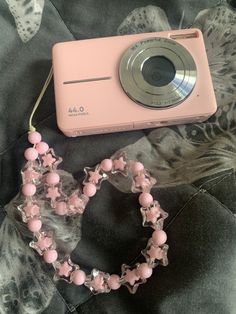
31,127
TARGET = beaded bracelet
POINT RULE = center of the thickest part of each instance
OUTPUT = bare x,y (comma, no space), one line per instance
42,166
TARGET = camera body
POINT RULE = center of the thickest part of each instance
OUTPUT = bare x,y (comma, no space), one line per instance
132,82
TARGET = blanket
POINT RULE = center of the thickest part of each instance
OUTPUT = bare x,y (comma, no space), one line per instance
194,166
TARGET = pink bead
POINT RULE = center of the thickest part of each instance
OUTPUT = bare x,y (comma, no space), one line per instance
78,277
106,165
74,200
28,189
52,178
34,224
50,256
159,237
137,167
31,154
89,189
144,271
145,199
113,282
42,148
34,137
61,208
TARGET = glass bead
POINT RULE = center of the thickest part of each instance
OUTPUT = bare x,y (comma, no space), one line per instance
64,269
97,282
43,242
153,216
155,255
120,163
130,277
95,176
143,182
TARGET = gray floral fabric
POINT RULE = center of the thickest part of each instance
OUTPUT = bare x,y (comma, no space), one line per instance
27,15
194,166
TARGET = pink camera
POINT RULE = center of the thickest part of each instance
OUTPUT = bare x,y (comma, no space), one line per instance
132,82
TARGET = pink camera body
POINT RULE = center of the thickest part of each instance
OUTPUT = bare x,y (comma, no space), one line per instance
117,84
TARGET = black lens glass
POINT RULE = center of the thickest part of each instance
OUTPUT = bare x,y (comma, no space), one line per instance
158,71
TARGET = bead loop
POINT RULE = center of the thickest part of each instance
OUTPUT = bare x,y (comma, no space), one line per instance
41,167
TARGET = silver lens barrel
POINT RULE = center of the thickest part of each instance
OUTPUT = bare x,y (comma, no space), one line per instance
172,74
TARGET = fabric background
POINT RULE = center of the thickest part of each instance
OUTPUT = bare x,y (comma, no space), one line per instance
194,166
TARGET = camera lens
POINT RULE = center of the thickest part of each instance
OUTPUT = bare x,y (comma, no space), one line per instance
158,71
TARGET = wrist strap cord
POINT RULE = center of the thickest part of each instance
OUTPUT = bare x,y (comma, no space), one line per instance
31,127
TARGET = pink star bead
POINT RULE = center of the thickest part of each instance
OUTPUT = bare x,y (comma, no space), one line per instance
44,243
53,193
30,175
141,181
97,283
31,210
65,269
94,176
119,164
155,252
153,214
48,160
131,276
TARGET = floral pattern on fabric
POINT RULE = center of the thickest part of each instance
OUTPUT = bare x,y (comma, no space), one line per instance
27,15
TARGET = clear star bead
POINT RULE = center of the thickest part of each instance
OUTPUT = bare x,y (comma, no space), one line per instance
31,172
94,175
97,282
29,209
156,255
50,161
143,182
64,269
153,216
42,242
130,279
53,193
120,164
76,203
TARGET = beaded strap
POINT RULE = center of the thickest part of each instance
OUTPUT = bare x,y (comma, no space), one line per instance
42,166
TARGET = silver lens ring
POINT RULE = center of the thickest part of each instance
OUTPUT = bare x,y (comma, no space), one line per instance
157,97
